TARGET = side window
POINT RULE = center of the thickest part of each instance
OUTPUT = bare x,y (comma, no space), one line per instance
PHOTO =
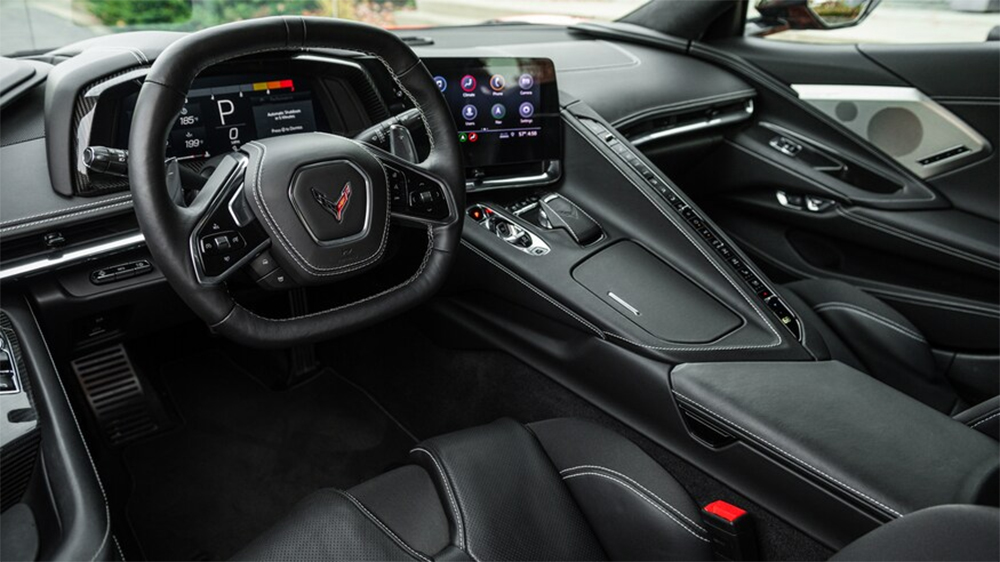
897,21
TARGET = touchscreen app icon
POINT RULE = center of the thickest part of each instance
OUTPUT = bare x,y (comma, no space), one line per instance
498,111
526,81
468,83
469,112
526,110
442,84
473,137
497,83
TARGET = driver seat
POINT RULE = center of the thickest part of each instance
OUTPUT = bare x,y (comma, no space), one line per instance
561,489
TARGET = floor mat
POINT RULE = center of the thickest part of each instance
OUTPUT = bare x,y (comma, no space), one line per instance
245,455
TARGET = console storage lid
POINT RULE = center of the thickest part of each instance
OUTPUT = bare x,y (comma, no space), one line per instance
844,431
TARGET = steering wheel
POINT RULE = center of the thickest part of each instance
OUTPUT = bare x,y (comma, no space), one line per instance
322,204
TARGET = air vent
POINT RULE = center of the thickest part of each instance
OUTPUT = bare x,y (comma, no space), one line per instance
16,248
116,395
670,125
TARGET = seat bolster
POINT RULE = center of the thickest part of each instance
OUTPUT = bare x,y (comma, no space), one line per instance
983,417
504,498
637,510
329,525
947,532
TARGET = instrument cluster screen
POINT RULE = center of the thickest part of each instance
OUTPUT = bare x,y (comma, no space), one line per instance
506,109
224,112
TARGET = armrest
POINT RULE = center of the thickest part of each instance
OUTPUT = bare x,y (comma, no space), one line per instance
844,431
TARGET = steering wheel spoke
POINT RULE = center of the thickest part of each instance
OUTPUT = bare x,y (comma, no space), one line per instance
226,235
416,195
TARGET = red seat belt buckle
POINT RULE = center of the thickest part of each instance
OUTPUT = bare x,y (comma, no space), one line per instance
731,530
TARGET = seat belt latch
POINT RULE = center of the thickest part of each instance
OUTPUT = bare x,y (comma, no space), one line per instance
731,530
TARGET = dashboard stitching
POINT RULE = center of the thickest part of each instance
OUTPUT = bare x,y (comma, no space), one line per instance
64,216
68,209
293,251
642,496
787,454
694,243
420,271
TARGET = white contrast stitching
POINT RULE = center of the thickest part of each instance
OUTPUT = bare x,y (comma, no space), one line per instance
83,441
926,242
371,517
872,316
984,420
585,135
451,495
789,455
68,209
642,497
638,485
66,216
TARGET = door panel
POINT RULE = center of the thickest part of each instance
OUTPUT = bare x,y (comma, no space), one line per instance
940,267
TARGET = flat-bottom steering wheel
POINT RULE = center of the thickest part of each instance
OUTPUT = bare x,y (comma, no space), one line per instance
320,202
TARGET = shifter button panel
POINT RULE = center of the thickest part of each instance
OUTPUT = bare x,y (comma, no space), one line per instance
508,230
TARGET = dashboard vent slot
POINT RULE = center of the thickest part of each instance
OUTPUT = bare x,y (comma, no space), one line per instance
15,248
116,395
673,124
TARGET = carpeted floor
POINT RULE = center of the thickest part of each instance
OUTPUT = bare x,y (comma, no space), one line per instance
244,455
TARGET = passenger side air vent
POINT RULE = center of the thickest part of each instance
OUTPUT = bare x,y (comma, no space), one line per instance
116,395
673,124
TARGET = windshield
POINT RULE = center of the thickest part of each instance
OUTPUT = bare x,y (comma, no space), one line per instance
36,25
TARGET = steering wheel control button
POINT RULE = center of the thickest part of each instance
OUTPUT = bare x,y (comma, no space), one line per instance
332,199
262,265
468,83
276,280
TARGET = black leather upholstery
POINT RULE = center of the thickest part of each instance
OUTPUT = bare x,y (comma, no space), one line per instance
555,490
857,329
984,417
971,533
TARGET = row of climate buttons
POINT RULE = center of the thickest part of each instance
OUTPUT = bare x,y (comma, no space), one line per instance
120,272
699,225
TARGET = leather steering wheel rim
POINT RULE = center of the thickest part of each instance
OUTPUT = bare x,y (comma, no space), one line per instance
167,226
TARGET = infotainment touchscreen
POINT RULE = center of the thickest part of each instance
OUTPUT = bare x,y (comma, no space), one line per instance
506,109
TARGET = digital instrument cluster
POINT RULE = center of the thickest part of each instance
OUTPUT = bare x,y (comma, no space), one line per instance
224,112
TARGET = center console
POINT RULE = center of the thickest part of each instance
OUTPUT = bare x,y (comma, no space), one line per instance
610,276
